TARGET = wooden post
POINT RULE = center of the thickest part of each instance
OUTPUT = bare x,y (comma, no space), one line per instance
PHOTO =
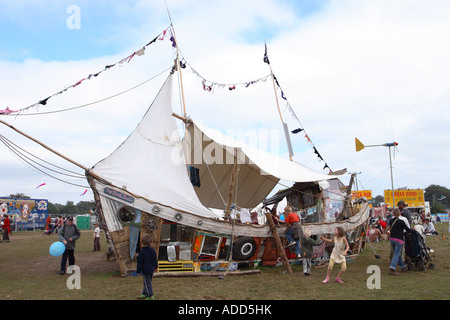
277,240
232,183
348,196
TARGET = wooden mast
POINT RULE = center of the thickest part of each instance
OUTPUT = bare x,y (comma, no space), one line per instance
278,104
232,186
273,228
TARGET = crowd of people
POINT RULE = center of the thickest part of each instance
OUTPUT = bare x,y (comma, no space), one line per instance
392,228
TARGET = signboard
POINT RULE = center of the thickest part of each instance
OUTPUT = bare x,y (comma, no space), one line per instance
413,197
362,193
26,213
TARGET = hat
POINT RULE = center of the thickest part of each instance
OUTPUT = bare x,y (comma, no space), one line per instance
402,202
70,218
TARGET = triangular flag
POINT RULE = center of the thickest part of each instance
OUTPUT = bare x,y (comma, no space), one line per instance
297,130
266,58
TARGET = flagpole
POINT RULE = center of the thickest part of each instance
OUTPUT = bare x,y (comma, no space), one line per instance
186,131
266,60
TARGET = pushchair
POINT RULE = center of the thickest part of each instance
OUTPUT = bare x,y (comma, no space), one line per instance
417,253
51,228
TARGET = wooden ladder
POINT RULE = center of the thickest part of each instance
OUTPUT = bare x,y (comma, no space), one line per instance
278,243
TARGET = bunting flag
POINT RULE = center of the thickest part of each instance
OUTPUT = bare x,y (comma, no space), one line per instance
7,111
288,107
266,57
209,86
139,52
42,184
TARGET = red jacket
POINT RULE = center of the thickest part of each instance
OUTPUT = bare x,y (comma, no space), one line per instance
291,218
6,225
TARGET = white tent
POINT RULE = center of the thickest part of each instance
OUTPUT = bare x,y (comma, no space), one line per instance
258,171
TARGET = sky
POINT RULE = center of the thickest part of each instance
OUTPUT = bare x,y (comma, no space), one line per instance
376,70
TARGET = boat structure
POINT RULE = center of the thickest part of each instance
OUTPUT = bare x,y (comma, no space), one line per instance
204,198
148,187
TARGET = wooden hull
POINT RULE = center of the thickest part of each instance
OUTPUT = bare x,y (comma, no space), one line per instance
110,200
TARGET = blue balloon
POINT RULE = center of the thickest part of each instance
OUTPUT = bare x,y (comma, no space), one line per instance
57,249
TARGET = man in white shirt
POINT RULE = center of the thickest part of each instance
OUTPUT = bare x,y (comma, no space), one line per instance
96,238
429,228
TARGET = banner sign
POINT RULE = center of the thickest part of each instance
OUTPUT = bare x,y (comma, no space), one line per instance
413,197
362,193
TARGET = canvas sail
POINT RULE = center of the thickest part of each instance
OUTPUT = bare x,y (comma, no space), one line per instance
150,163
258,171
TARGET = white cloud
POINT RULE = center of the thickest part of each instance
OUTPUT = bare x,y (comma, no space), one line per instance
375,70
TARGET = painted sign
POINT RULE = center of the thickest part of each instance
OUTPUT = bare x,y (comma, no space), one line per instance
26,213
119,195
362,194
413,197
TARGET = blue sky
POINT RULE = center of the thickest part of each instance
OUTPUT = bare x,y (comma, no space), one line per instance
373,69
39,29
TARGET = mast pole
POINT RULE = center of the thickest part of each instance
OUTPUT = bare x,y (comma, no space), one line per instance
178,60
186,125
278,105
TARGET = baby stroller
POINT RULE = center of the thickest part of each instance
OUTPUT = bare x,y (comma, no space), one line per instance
50,230
417,252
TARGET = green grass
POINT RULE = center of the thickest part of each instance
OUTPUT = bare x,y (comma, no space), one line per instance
28,272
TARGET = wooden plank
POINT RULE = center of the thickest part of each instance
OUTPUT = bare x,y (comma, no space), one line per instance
151,225
205,273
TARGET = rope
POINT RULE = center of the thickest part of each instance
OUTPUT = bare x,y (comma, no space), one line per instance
91,103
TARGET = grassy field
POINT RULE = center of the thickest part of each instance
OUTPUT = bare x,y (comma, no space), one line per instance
29,272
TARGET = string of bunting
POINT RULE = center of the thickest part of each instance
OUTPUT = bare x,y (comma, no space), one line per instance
289,108
139,52
209,86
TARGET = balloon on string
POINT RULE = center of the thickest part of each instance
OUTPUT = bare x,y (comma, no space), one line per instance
57,249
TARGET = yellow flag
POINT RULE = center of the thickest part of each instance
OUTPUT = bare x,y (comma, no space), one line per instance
359,145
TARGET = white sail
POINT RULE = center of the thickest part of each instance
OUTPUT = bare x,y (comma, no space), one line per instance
259,171
150,162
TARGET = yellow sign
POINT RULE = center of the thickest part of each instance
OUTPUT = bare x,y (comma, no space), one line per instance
362,193
413,197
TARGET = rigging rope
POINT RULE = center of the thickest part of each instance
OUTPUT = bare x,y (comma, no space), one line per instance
91,103
30,164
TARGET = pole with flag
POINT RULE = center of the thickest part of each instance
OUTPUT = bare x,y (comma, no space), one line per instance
285,127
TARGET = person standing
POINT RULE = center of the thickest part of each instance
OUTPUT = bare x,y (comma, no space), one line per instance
68,234
308,245
48,224
6,228
96,238
341,247
405,212
147,263
396,228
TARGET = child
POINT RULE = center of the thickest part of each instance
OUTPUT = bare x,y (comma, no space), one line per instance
307,250
338,254
147,263
96,238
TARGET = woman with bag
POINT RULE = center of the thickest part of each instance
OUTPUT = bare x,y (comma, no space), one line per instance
395,229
